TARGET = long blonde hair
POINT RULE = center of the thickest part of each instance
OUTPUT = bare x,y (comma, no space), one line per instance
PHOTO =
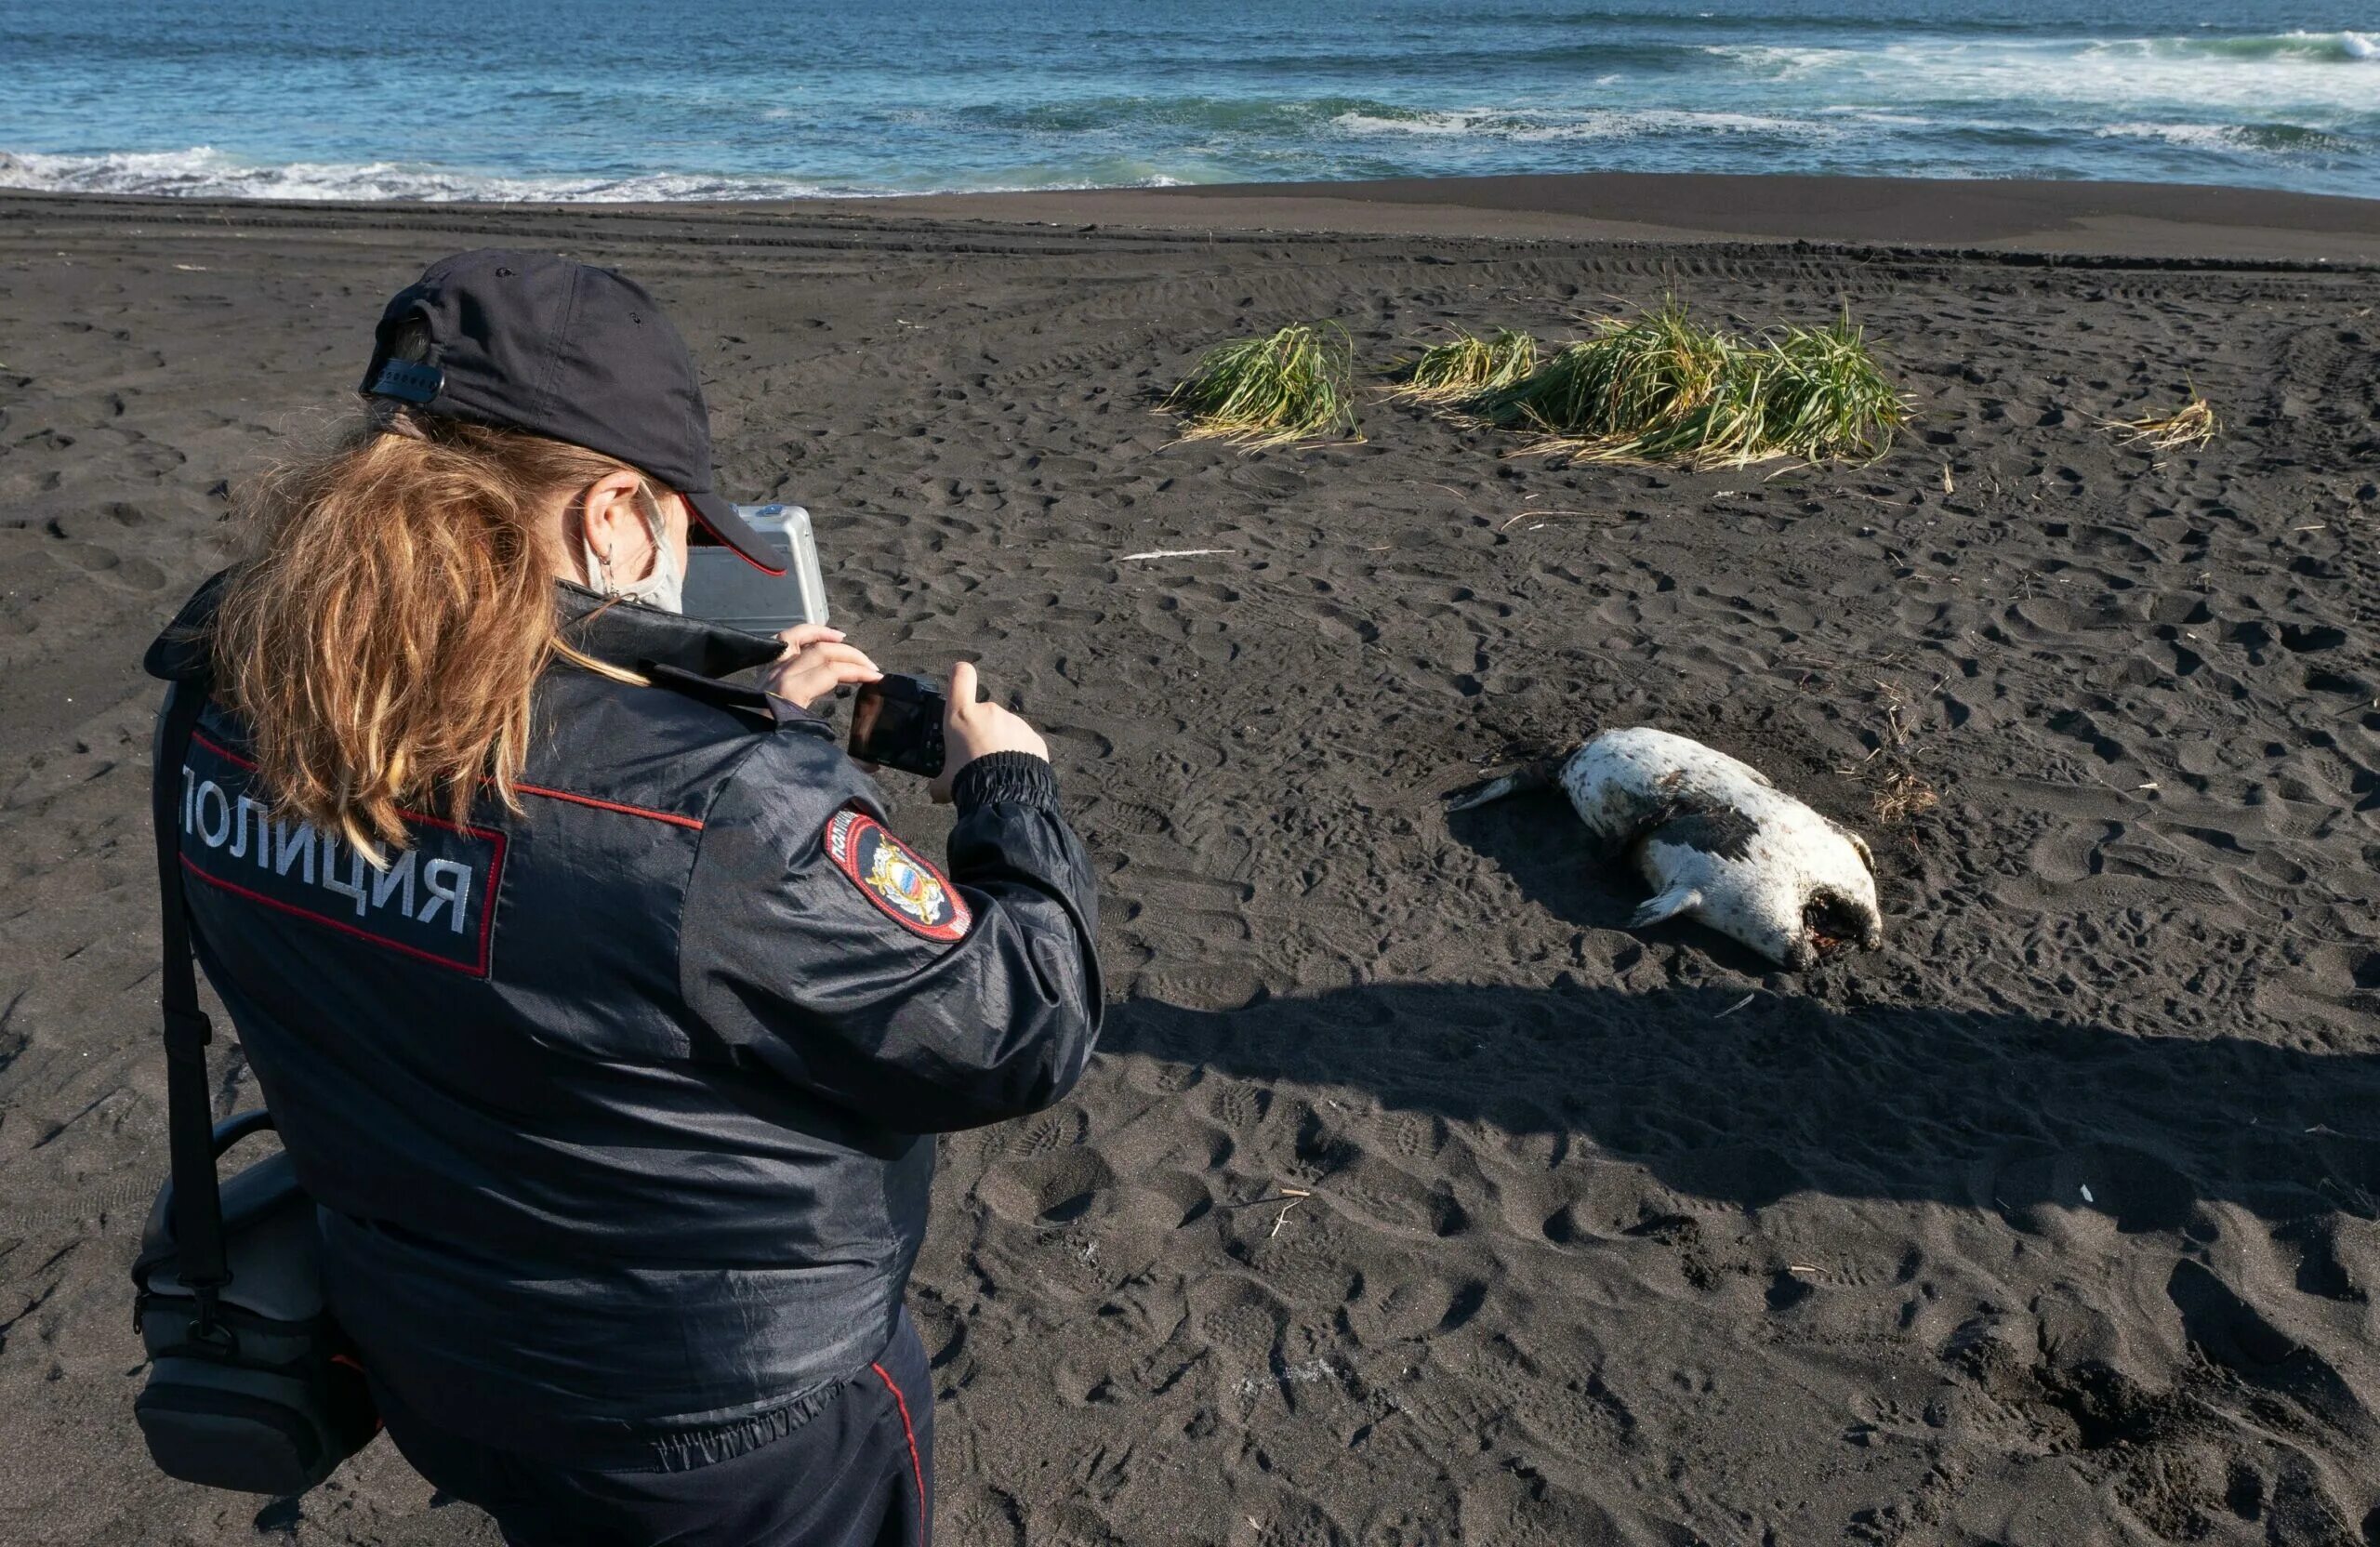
391,611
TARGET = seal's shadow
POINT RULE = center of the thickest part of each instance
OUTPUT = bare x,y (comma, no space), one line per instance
1540,842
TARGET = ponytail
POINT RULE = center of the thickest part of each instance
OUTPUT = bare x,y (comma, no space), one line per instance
393,612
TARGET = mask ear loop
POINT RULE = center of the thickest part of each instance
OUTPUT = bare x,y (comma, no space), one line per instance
597,566
665,562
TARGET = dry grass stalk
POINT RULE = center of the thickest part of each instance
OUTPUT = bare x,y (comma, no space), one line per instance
1896,792
2193,424
1899,796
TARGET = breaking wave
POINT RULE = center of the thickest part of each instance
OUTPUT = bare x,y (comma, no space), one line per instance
2270,138
2337,48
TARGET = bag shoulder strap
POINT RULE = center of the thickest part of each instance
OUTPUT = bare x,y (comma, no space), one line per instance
190,1121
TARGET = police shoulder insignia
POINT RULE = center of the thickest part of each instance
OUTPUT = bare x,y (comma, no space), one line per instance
908,890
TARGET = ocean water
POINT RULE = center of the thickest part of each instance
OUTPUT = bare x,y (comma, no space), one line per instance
604,99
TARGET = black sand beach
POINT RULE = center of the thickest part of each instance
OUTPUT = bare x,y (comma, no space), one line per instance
1414,1200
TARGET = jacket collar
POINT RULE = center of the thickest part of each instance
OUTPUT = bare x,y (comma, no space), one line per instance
631,635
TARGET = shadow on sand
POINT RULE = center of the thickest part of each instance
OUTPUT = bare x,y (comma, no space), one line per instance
2002,1112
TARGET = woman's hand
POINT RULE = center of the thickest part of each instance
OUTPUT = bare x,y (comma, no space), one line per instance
970,730
816,663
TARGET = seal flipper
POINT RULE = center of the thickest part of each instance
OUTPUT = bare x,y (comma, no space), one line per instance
1676,901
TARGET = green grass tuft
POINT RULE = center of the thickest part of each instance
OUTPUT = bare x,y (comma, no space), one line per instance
1469,366
1291,385
1662,388
1827,396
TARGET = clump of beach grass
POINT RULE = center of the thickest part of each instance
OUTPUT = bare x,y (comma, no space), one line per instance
2193,424
1626,379
1826,398
1470,366
1293,385
1662,388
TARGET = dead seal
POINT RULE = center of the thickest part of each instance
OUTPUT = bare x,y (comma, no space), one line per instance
1719,843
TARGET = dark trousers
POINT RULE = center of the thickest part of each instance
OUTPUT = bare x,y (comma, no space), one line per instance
859,1474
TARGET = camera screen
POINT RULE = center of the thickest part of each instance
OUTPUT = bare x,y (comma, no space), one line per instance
882,725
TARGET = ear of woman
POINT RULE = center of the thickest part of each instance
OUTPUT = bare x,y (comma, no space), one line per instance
631,538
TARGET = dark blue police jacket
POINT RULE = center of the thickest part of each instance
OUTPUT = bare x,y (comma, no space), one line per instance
616,1106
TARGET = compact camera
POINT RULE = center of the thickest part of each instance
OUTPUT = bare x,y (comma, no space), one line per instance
897,722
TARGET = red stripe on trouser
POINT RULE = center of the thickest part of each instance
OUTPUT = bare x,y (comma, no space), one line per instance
917,1468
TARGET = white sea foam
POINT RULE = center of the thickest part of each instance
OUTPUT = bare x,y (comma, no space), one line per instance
2197,136
2321,73
1419,123
1869,115
203,172
1542,124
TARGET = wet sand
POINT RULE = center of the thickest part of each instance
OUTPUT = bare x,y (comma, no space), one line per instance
1413,1200
2177,224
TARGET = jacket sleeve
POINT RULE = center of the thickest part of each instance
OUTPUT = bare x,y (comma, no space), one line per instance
822,948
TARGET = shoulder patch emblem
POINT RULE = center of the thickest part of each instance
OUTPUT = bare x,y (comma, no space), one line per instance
908,890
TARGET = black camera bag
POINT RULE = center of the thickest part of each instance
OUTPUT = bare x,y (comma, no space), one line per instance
252,1386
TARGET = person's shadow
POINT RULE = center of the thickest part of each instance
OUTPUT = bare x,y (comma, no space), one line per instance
1746,1105
1749,1105
1746,1102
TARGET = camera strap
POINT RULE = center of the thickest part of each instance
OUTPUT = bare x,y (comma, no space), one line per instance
190,1119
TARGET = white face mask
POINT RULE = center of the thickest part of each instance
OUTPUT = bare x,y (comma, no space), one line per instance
665,587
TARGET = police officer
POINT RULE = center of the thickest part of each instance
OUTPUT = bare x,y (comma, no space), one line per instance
596,1003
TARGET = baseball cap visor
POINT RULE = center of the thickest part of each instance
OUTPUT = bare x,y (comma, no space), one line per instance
719,518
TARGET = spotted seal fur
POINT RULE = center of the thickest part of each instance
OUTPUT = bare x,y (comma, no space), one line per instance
1719,843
